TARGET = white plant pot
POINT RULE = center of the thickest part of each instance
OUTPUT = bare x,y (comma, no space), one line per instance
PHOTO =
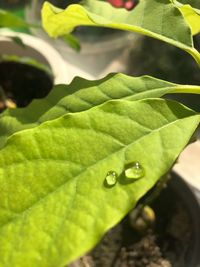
188,165
42,51
97,58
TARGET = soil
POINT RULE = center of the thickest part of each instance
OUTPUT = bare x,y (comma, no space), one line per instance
21,83
165,243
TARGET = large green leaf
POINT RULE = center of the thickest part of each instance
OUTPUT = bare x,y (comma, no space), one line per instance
54,204
81,95
154,18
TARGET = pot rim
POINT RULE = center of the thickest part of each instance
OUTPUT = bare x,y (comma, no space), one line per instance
63,71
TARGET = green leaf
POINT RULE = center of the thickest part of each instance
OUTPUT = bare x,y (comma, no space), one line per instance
192,18
154,18
17,40
81,95
72,41
191,15
8,20
54,205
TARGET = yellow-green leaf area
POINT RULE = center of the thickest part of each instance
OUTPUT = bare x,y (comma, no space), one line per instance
82,95
78,96
154,18
192,17
54,205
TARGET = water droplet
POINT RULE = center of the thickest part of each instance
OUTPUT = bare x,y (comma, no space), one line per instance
111,178
134,171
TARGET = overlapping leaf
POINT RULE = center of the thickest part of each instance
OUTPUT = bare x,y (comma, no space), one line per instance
154,18
54,204
191,15
81,95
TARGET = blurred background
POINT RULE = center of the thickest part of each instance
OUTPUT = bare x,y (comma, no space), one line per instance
105,50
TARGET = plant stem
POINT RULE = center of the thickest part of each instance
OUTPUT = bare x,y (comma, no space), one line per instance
187,89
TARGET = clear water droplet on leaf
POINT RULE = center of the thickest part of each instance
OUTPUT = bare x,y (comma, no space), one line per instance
134,171
111,178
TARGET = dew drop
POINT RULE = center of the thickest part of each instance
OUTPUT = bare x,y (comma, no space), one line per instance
111,178
134,171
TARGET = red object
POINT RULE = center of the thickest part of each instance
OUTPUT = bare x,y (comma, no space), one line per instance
116,3
128,4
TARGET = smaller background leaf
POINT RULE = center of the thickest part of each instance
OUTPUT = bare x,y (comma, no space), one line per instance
78,96
8,20
192,17
72,41
17,40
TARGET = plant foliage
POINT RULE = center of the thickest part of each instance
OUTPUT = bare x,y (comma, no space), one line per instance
55,154
54,202
154,18
82,95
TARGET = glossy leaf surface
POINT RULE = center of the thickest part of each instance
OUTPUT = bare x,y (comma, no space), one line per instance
83,94
54,204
